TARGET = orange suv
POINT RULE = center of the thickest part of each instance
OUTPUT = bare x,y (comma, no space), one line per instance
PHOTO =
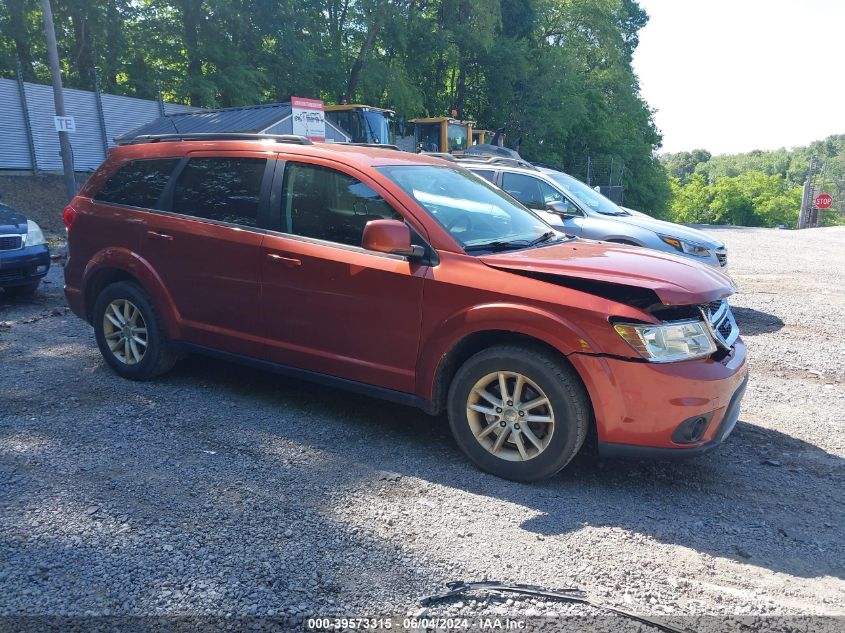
407,278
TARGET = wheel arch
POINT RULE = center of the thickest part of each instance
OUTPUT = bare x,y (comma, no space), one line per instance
513,325
114,265
98,281
623,240
470,345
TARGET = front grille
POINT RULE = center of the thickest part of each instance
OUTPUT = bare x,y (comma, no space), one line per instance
725,329
10,242
723,259
11,274
722,323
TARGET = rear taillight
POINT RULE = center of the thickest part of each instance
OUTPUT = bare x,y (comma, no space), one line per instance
69,216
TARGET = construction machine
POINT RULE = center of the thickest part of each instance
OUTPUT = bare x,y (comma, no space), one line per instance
482,137
442,134
363,123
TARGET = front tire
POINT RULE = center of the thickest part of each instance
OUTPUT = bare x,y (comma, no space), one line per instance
129,333
518,412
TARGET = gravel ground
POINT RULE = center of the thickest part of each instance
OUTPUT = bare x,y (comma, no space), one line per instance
224,491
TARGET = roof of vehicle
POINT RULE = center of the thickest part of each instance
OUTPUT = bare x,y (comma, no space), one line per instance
361,154
485,161
549,170
509,165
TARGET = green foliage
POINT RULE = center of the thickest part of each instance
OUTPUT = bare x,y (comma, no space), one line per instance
754,189
556,74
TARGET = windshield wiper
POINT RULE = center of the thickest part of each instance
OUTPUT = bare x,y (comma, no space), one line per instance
498,245
543,238
503,245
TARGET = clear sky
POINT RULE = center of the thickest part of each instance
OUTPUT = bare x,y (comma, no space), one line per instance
736,75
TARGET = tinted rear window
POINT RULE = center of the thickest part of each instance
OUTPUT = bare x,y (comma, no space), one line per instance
222,189
489,176
139,183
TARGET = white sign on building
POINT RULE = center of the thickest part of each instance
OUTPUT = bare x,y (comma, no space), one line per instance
308,118
65,123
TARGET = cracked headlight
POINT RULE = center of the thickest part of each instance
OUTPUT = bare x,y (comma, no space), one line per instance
682,246
668,342
34,234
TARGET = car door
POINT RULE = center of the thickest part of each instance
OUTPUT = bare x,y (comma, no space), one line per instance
331,306
123,203
535,193
206,247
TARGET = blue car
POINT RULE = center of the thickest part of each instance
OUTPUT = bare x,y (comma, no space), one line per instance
24,256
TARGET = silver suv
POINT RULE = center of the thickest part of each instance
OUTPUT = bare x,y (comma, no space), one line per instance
576,209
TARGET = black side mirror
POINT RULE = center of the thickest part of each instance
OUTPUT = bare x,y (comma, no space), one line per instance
560,208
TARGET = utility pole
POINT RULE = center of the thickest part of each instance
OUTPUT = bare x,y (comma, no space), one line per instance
58,97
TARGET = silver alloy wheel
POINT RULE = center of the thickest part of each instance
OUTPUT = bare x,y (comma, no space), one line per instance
510,416
125,331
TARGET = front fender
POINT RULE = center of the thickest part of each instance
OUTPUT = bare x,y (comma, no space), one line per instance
133,264
552,329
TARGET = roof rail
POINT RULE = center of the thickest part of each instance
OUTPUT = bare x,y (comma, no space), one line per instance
216,136
487,159
378,145
443,155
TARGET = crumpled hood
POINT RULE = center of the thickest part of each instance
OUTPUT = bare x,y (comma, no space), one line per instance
670,229
11,221
676,280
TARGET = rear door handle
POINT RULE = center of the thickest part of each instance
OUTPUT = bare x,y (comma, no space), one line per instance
159,236
290,262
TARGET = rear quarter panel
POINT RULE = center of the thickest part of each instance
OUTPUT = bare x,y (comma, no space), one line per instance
98,228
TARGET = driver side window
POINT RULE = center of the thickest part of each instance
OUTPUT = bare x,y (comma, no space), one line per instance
534,193
327,204
524,188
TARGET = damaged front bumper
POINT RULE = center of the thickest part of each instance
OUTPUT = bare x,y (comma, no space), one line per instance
639,406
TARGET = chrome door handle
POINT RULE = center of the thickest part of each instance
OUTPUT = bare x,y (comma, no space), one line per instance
290,262
159,236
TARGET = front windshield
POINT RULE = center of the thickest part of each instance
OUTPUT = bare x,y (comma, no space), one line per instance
457,134
378,127
427,136
585,194
478,215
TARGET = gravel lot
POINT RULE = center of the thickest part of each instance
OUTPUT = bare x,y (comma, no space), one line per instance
222,490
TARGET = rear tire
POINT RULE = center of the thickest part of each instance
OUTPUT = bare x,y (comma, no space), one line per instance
23,291
544,415
129,332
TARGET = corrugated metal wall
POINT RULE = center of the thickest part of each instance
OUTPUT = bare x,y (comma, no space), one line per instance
121,114
14,149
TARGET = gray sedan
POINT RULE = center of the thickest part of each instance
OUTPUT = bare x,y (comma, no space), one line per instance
576,209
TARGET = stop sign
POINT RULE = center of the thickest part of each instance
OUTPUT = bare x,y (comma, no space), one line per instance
823,200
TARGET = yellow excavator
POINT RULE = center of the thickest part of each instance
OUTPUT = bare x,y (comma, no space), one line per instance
362,123
442,134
